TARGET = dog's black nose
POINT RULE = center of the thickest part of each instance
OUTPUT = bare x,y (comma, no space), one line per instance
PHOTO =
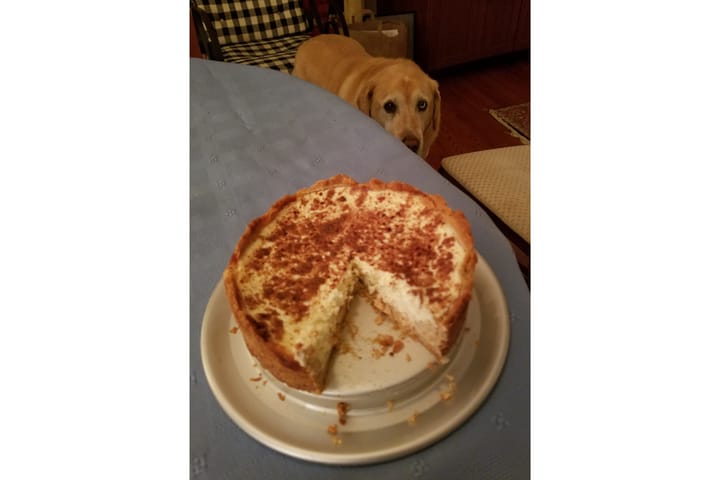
412,143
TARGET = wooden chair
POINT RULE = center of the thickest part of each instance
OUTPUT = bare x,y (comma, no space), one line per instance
195,51
265,33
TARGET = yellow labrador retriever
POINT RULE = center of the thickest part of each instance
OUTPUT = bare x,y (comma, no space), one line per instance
393,91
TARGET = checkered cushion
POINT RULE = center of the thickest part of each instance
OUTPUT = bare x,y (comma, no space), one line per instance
254,20
278,54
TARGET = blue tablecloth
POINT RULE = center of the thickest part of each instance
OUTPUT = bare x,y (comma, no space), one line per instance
256,135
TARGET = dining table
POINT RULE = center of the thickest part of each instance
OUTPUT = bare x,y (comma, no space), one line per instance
257,135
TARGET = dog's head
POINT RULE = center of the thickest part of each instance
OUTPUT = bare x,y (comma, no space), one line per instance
406,102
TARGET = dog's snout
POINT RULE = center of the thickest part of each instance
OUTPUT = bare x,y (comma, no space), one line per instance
412,143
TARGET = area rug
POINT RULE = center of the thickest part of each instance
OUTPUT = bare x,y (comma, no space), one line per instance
516,118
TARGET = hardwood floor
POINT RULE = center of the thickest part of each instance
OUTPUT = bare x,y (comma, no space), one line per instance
468,93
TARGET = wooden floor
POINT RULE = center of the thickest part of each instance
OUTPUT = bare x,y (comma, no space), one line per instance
467,93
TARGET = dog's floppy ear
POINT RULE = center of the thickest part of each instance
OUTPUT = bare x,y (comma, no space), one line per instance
364,99
433,127
436,108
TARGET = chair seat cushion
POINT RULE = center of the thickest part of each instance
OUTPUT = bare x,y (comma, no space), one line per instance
278,53
500,180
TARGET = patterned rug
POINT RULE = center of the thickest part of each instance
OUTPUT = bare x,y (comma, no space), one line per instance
516,118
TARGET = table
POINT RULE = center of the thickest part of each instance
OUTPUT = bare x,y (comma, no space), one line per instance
258,134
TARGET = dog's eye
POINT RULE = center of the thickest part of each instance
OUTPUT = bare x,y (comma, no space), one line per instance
390,107
422,105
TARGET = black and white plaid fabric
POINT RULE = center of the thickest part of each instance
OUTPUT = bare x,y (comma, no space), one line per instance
254,20
278,53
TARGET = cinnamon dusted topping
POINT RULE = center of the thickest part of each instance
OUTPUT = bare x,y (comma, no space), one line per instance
316,239
415,252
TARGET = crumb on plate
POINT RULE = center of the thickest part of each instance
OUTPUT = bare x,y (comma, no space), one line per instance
451,388
384,342
342,409
413,418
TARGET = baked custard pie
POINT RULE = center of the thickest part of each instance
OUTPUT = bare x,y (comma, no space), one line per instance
296,268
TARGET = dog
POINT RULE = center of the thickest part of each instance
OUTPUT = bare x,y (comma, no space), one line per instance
393,91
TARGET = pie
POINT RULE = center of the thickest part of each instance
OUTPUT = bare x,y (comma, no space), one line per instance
296,268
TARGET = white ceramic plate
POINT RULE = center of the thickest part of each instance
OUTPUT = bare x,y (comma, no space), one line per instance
398,403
